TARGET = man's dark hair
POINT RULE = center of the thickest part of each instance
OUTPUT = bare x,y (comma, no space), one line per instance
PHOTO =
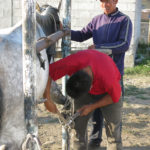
78,84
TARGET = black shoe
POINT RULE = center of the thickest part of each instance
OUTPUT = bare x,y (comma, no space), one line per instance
94,143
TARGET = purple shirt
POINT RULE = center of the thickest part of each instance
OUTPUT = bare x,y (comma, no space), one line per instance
111,31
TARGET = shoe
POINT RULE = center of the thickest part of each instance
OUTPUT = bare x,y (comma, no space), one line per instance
94,143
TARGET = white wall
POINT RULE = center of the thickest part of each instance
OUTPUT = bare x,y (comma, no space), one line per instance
5,13
133,9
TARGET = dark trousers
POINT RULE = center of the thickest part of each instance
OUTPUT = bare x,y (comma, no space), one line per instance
97,119
112,115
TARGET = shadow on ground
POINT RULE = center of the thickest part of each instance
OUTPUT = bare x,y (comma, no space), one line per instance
139,93
47,120
125,148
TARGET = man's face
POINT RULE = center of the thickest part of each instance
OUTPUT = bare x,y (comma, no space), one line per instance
108,6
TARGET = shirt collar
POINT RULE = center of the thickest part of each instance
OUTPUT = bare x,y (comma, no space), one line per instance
114,13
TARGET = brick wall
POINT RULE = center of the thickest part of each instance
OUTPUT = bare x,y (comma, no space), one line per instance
5,13
17,12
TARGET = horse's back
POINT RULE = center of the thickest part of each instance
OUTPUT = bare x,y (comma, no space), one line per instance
12,34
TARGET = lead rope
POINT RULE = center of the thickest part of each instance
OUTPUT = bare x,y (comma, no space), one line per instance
31,138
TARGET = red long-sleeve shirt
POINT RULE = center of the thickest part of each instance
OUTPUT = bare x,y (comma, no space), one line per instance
106,76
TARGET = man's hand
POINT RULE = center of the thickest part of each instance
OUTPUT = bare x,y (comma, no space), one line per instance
85,110
91,47
50,106
104,101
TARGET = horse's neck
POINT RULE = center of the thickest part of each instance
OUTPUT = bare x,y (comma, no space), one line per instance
15,33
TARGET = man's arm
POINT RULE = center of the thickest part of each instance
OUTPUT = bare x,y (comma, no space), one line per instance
84,34
106,51
106,100
49,103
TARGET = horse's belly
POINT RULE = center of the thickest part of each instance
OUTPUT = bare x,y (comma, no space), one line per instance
41,76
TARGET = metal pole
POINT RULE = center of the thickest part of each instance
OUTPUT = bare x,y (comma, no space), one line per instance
149,32
66,41
12,12
49,40
66,47
29,67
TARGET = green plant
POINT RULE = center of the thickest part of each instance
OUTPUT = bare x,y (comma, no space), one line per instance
142,69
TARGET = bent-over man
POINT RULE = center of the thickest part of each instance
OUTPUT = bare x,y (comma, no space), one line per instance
110,30
94,83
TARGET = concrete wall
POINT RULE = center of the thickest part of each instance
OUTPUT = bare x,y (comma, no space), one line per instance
133,9
82,13
145,26
10,12
144,32
5,13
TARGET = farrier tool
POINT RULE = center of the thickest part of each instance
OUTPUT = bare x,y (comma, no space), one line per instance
69,121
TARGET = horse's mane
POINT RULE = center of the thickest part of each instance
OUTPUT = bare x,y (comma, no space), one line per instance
48,19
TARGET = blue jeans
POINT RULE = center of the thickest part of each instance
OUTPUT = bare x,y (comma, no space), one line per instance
97,119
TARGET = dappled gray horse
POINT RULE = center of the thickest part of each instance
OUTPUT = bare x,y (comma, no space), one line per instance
12,122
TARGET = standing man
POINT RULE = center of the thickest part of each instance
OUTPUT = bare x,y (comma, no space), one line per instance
94,83
110,30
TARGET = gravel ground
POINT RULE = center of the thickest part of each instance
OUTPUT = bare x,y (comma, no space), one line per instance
136,119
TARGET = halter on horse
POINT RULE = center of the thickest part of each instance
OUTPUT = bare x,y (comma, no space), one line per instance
49,21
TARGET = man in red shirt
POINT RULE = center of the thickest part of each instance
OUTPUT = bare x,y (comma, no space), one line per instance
94,83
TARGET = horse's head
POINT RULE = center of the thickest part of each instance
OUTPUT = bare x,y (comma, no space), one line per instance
48,18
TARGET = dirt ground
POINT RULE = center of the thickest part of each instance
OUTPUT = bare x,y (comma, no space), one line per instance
136,119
